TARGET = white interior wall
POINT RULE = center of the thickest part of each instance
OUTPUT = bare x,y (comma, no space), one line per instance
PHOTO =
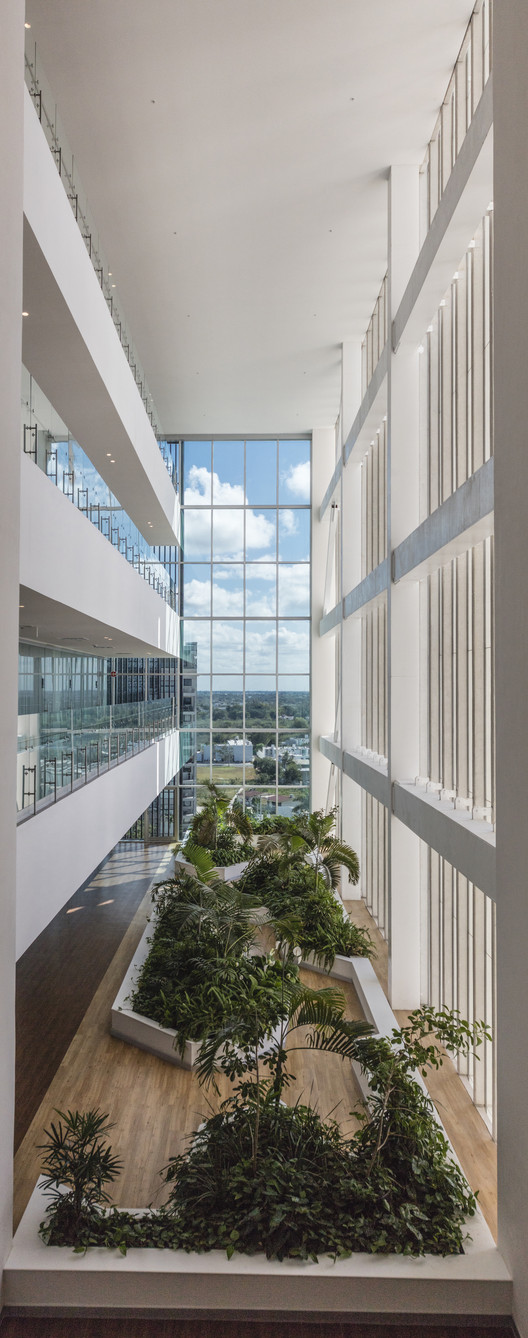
58,849
511,491
11,115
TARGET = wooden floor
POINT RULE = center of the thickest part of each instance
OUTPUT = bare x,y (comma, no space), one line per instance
202,1328
471,1139
155,1105
58,975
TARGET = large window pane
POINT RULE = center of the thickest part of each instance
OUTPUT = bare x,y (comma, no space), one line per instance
294,647
261,535
228,590
294,590
261,641
294,471
228,647
260,703
261,589
197,588
265,761
228,535
227,702
294,758
196,532
197,473
260,800
294,701
196,644
228,473
261,472
203,699
294,535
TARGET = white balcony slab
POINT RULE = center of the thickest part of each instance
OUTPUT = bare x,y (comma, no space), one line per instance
96,602
71,347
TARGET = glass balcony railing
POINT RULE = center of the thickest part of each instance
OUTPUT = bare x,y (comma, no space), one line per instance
60,751
46,441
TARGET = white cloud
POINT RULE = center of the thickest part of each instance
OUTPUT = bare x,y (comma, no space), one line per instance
297,481
294,656
260,648
294,590
228,537
288,522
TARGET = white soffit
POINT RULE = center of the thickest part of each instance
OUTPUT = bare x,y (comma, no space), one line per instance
234,154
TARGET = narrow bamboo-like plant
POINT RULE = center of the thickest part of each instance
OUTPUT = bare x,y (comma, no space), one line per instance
78,1159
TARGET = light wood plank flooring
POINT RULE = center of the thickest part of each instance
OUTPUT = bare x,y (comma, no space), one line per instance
154,1105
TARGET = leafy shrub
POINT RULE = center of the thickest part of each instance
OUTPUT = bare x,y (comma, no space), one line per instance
198,972
307,1190
313,1191
324,928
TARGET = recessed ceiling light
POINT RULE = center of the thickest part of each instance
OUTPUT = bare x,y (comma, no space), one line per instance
109,274
21,606
27,25
107,638
113,285
112,462
108,454
25,313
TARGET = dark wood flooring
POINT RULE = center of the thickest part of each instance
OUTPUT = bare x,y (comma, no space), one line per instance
197,1328
59,973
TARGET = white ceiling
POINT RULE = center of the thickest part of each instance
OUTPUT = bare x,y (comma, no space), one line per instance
234,154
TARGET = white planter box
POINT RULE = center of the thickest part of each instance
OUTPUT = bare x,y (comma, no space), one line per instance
142,1031
51,1278
43,1278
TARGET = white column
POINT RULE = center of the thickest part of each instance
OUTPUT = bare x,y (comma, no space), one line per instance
11,116
323,648
403,607
511,491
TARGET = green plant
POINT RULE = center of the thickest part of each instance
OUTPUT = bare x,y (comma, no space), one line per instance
77,1156
221,827
324,929
311,1191
199,972
309,836
391,1188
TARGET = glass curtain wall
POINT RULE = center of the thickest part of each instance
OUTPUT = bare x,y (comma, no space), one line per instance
246,620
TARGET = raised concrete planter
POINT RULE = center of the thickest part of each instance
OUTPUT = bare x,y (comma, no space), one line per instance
142,1031
40,1278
